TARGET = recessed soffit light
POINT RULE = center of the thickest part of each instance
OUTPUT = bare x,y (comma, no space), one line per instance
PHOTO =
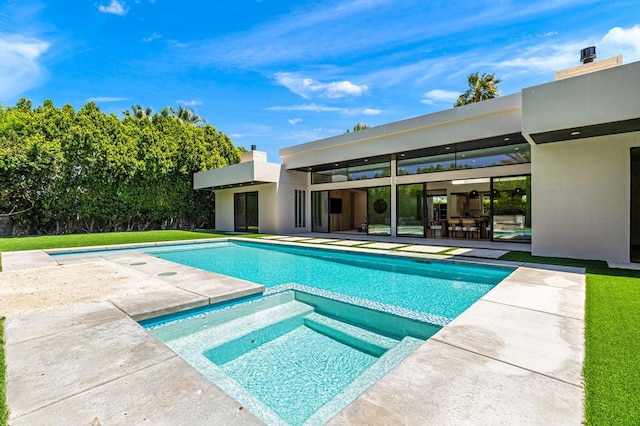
506,139
575,133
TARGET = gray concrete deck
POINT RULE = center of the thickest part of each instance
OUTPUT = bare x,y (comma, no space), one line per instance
75,355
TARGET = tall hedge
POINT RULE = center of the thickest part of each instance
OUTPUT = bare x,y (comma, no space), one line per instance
67,171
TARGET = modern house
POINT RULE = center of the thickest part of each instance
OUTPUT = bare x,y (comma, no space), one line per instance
557,165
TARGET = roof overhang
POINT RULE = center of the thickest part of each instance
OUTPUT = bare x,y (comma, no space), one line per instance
476,122
237,175
601,103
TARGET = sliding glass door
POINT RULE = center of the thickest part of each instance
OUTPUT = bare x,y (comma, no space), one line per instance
379,210
511,208
411,210
245,212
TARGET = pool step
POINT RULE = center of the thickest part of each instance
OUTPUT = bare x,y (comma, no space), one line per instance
288,315
364,340
216,318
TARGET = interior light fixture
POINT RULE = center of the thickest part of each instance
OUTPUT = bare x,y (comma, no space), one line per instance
470,181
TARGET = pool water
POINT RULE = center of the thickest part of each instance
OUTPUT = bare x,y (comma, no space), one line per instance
317,369
444,289
287,357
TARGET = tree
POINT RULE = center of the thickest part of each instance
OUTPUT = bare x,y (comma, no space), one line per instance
186,115
358,126
480,88
139,112
65,171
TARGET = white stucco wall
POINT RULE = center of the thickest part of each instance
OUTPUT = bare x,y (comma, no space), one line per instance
289,182
267,207
581,198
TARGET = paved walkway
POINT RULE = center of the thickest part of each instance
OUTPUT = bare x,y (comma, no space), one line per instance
76,355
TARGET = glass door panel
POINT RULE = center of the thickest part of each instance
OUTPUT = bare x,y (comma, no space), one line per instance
245,212
511,207
379,210
320,211
252,212
411,210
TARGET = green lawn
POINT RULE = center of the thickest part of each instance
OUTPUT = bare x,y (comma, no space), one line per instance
612,340
107,238
4,411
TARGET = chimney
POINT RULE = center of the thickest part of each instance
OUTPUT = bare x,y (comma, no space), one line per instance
253,155
588,54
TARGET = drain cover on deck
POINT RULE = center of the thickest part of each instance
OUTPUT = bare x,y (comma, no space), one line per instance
138,263
167,274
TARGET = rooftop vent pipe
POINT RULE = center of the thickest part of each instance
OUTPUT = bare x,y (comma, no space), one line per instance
253,147
588,54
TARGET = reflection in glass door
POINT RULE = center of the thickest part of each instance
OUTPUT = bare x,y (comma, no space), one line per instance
245,212
379,210
411,210
511,208
320,211
635,205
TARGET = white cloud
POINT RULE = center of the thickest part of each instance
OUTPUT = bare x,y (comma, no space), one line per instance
323,108
191,103
439,95
294,121
20,69
105,99
306,87
621,41
114,8
152,37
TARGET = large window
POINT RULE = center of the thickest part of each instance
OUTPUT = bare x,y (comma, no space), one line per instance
411,210
356,172
300,212
471,159
379,210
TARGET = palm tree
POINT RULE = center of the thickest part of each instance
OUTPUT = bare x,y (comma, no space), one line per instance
186,115
480,88
358,126
139,112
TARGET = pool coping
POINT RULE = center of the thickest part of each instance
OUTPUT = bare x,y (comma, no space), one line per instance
549,387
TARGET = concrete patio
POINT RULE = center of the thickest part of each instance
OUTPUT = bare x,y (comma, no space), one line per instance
76,355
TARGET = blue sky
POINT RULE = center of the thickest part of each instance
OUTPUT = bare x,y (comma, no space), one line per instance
275,73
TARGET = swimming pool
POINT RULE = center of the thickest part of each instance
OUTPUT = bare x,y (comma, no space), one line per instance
329,325
442,289
292,357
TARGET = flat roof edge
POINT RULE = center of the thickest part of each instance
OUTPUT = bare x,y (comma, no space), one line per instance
466,112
